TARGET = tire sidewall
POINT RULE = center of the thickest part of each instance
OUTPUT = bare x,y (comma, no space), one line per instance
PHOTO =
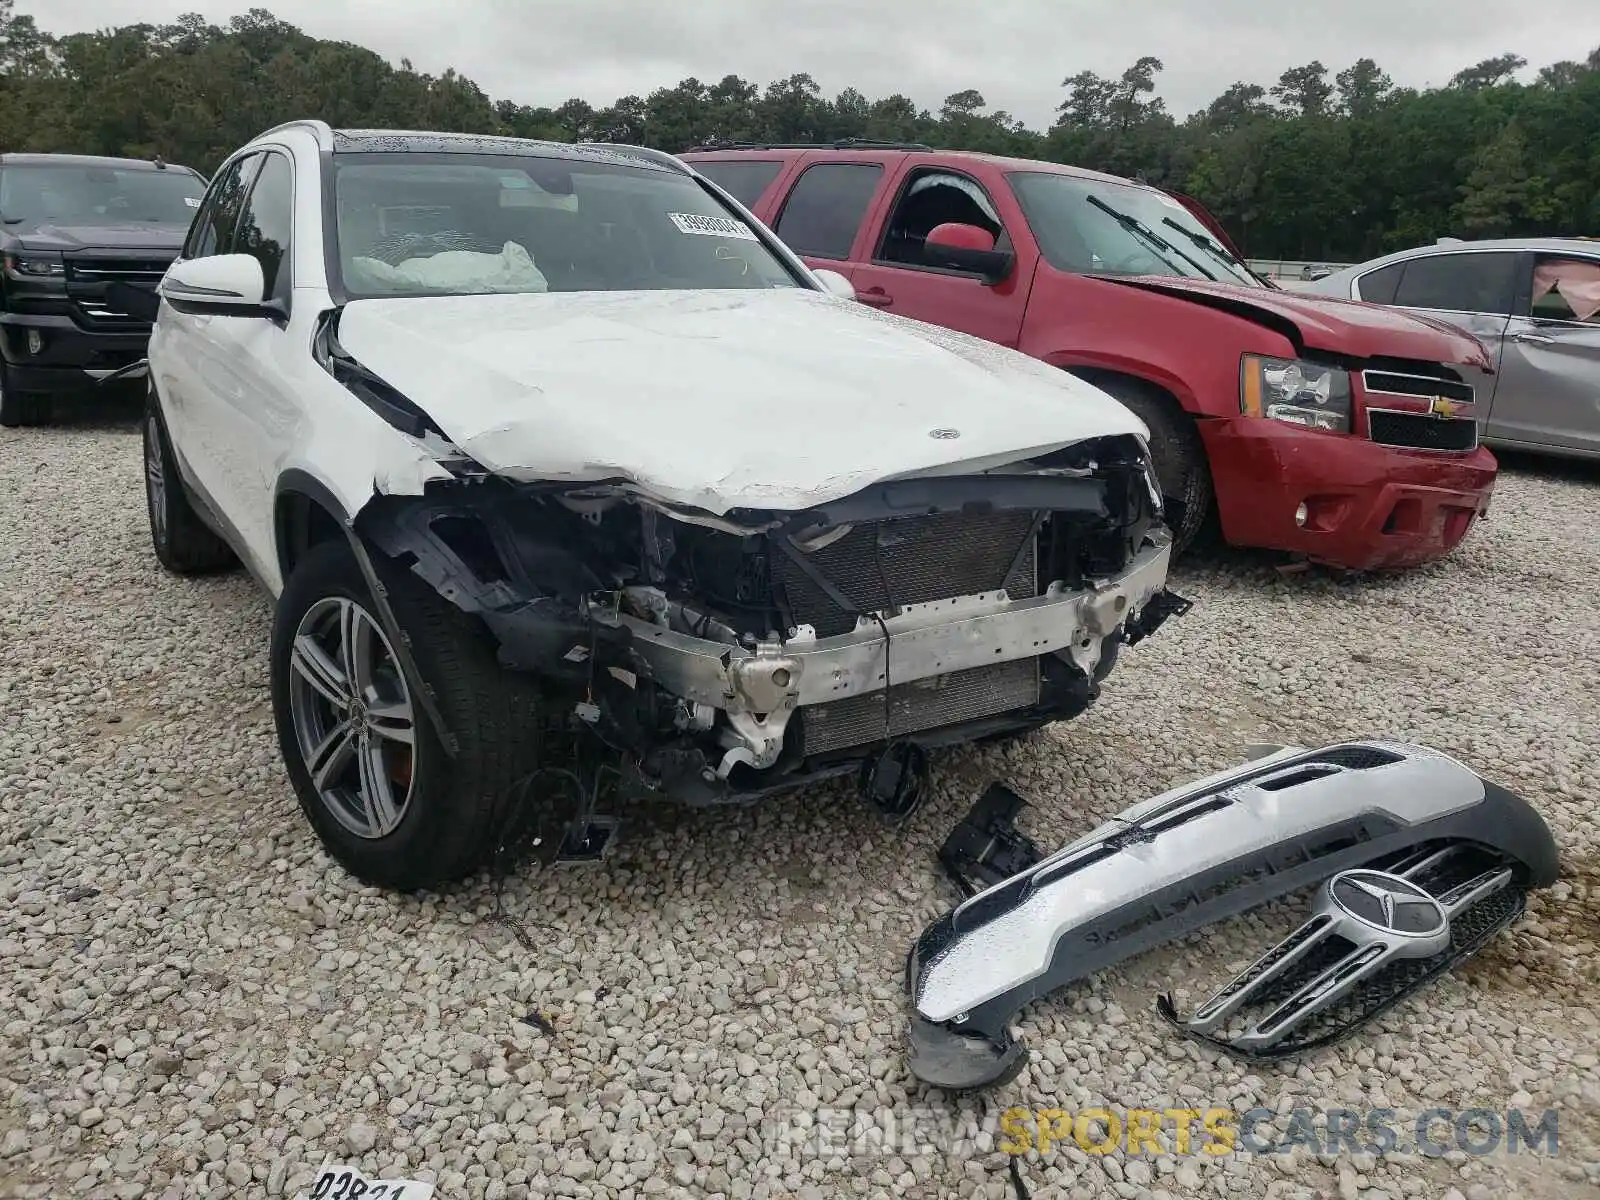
330,570
1179,457
153,429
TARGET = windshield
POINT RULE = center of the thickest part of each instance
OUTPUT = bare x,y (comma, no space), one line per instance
68,195
457,224
1090,225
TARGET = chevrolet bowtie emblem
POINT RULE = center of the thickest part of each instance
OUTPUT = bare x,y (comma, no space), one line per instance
1444,407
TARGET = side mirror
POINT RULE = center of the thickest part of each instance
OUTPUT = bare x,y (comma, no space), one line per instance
958,247
836,284
224,284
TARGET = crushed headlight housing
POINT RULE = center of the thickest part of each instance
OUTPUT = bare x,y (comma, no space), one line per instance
35,266
1310,394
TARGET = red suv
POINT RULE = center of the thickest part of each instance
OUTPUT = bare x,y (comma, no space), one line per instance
1341,431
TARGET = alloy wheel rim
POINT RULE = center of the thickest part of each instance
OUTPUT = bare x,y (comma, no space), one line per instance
155,479
353,718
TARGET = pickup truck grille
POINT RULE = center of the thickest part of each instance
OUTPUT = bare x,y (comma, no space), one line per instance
1421,431
919,559
87,279
1396,383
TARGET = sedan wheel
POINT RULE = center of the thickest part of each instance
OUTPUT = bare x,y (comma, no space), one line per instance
353,718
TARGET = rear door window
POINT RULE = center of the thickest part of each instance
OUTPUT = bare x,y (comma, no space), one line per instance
826,207
744,180
1475,283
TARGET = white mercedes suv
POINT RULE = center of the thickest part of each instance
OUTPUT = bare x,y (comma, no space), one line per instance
570,481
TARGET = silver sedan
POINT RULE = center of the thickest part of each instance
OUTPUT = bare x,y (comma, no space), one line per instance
1534,302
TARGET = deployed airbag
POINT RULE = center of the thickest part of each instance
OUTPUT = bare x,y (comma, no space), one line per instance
466,272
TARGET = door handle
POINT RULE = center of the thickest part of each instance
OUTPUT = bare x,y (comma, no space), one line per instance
1538,339
876,297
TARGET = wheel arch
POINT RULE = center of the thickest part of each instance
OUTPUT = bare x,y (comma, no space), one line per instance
305,513
1164,392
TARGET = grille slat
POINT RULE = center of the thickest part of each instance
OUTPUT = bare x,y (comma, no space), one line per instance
87,279
1398,384
923,558
922,705
1420,431
116,270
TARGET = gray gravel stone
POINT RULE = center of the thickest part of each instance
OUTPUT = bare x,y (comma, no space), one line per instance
196,996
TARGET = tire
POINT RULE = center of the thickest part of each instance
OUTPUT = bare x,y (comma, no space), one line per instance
183,543
21,408
1182,468
446,822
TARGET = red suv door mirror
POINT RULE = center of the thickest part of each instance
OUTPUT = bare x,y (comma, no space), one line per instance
959,247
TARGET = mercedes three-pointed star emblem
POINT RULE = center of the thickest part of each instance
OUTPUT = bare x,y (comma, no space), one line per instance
1387,902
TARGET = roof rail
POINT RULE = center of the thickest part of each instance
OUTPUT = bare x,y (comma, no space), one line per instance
659,156
318,129
849,143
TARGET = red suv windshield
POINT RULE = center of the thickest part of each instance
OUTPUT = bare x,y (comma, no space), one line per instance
1090,226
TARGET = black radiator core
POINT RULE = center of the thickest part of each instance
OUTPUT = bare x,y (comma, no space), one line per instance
920,559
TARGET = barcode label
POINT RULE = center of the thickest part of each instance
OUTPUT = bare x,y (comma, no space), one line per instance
712,226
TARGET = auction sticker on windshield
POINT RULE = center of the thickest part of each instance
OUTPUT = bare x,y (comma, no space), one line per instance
712,226
347,1183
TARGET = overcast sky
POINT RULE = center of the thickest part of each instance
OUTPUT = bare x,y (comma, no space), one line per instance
1016,52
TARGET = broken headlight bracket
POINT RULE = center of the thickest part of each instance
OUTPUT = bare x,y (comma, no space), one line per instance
1454,853
1163,606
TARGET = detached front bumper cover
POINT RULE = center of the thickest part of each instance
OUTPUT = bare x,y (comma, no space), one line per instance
1213,849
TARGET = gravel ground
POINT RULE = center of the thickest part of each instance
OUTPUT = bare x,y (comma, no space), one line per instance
196,1002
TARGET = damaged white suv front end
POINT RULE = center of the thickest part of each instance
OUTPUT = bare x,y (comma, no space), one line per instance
563,471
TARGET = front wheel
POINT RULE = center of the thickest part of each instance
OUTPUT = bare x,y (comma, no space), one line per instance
370,771
1182,469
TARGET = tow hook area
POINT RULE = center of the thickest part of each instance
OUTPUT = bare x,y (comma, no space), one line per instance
893,782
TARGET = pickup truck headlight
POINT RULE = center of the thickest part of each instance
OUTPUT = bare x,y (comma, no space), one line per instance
1302,393
35,267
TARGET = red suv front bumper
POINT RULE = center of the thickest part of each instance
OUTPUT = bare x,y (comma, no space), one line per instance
1368,506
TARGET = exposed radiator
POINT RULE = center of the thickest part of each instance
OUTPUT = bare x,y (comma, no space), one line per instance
922,705
922,558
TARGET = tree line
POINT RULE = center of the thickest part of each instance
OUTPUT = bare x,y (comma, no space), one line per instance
1322,164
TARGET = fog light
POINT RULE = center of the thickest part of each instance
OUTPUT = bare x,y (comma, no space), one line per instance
1302,515
35,341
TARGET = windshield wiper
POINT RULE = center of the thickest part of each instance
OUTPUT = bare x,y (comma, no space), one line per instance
1134,225
1211,246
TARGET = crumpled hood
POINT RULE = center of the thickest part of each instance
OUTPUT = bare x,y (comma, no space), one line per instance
780,399
143,235
1327,323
